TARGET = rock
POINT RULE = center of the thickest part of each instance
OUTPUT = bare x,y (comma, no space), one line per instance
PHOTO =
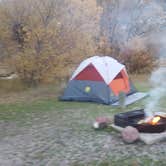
5,71
103,120
130,134
151,138
147,138
101,123
12,76
161,114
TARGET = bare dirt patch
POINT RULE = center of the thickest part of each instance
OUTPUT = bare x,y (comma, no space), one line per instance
63,138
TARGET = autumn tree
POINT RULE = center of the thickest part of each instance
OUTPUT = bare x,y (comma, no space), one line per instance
44,38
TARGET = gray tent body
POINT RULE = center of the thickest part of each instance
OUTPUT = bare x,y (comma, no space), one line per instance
98,92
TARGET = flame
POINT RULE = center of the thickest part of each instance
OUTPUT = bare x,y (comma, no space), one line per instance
155,120
150,120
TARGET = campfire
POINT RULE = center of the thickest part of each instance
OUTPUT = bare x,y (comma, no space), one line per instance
137,119
155,120
150,120
135,125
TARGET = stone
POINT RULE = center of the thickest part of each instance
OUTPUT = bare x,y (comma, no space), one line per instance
153,138
130,134
101,123
5,71
147,138
103,120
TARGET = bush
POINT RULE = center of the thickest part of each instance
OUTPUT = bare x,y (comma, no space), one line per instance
137,55
138,62
32,70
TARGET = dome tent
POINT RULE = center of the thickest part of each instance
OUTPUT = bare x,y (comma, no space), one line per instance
98,79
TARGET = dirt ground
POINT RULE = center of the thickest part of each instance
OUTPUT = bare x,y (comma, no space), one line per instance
59,139
63,135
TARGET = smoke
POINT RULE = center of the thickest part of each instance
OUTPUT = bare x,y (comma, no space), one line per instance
158,91
134,25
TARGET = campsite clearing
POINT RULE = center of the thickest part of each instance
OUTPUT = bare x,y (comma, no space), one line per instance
47,132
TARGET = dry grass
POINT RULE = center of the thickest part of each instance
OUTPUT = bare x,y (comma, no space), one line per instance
14,91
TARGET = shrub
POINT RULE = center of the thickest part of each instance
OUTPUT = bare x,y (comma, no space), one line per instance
138,62
33,70
137,55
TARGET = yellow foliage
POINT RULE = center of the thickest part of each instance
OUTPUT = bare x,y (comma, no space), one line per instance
46,41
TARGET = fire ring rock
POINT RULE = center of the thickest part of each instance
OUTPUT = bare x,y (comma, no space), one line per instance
130,134
101,123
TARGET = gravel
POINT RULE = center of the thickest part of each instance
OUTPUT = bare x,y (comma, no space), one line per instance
63,138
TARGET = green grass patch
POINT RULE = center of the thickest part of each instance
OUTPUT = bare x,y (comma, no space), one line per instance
20,110
15,111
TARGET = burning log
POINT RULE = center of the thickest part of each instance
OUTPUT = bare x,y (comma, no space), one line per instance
155,120
150,120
